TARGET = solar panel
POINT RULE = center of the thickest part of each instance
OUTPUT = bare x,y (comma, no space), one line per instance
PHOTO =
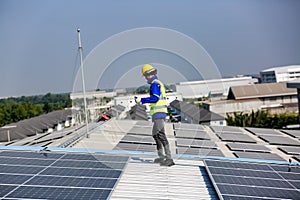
235,137
144,123
290,150
184,142
223,129
47,175
293,133
281,140
263,131
137,139
199,151
193,134
256,155
141,130
135,147
183,126
247,147
243,180
297,158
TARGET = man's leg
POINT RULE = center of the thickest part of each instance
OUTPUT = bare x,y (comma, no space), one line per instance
160,124
159,145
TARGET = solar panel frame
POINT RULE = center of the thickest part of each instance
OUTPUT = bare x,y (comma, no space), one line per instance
257,155
263,131
128,138
235,137
259,192
59,193
226,129
185,142
144,124
293,133
140,131
199,151
135,147
290,150
280,140
244,180
91,179
192,134
247,147
183,126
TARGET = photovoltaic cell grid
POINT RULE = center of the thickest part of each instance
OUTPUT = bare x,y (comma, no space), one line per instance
137,139
184,142
183,126
47,175
242,180
290,150
139,130
280,140
135,147
293,133
257,155
236,137
247,147
263,131
226,129
199,151
192,134
232,134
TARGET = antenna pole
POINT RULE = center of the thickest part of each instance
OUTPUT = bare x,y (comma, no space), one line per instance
83,84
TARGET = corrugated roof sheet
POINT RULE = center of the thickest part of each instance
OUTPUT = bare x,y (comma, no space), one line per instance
260,90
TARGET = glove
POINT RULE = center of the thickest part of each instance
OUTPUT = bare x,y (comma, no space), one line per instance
137,99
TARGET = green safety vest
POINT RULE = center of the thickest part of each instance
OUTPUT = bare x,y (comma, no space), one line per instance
161,104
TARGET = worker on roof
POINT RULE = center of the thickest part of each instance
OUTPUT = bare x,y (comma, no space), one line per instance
158,111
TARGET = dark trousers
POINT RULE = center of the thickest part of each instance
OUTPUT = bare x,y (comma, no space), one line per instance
159,135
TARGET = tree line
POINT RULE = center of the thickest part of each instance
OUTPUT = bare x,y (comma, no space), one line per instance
15,109
261,119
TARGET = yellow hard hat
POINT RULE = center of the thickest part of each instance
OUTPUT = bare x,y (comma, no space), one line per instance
147,69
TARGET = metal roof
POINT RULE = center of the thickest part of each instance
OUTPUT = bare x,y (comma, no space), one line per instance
260,90
188,179
32,126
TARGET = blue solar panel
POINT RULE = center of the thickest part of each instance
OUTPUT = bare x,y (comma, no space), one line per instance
31,175
82,173
244,180
59,193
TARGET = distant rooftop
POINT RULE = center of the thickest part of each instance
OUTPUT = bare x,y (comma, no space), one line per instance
283,68
260,90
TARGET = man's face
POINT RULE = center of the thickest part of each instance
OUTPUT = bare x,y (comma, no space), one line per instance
148,77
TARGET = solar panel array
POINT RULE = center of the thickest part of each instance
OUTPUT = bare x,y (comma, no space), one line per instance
193,139
138,138
44,175
232,134
242,180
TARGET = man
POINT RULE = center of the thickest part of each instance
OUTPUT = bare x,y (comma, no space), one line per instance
158,111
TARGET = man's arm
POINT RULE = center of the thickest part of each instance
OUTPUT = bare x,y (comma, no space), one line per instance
155,94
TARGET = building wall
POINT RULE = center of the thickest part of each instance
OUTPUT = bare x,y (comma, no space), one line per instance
280,74
273,105
196,89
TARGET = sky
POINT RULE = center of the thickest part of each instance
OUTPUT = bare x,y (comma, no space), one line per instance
39,45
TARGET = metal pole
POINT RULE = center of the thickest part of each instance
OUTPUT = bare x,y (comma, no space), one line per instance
8,135
83,84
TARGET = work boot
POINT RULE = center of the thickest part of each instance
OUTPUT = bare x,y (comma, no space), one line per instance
168,162
158,160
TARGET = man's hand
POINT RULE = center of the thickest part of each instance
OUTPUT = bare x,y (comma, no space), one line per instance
137,99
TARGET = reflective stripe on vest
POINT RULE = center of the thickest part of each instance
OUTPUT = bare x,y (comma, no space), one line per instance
161,104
